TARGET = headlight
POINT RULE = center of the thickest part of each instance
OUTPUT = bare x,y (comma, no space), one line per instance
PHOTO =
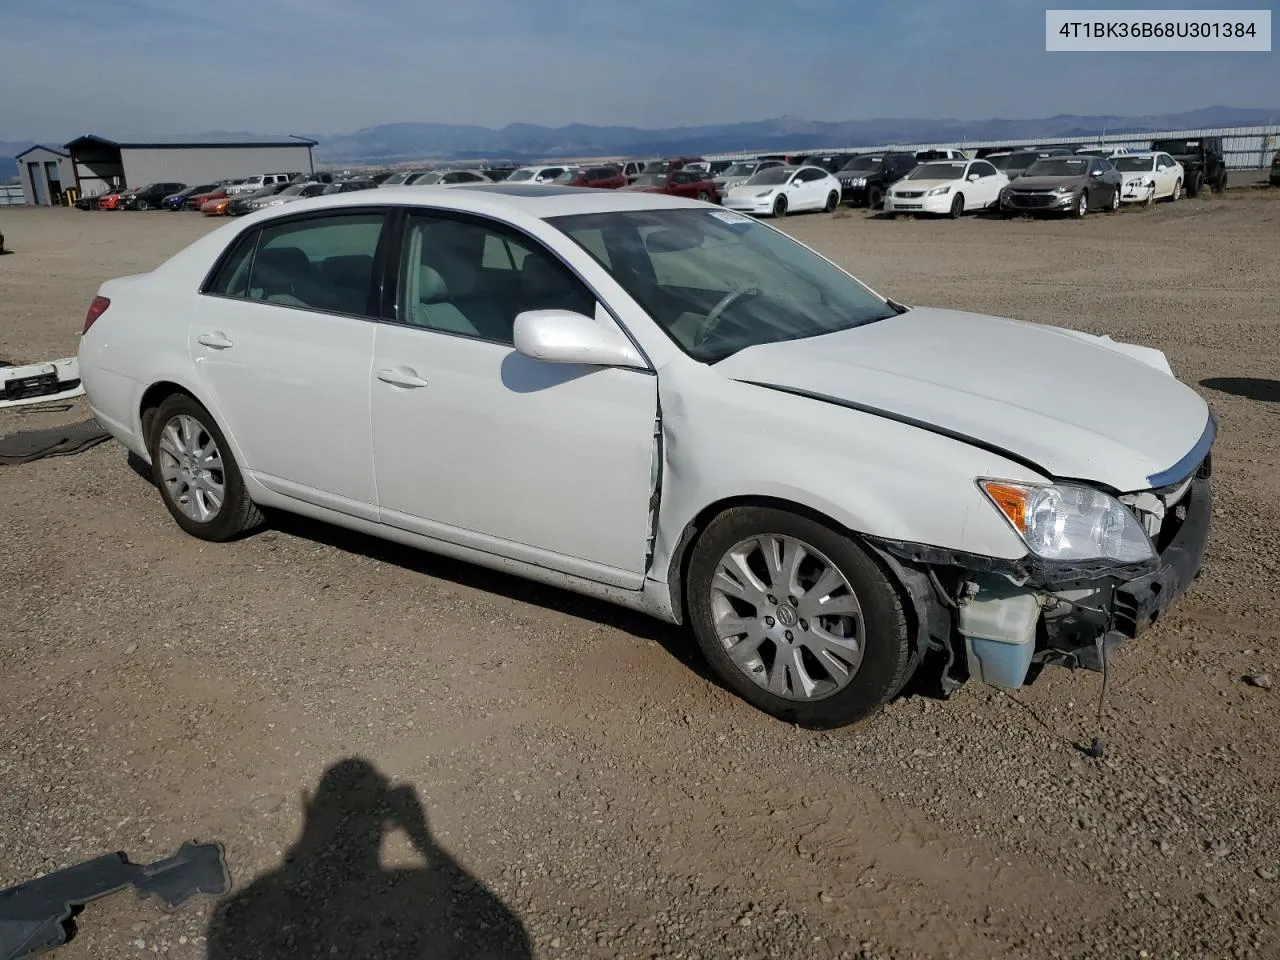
939,191
1063,191
859,181
764,193
1068,521
275,203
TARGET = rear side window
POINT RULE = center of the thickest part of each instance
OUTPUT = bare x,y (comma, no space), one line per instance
232,277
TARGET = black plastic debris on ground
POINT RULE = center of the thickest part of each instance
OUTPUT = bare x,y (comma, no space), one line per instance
28,445
37,916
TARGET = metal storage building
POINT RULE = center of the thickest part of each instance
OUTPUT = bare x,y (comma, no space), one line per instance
44,173
100,163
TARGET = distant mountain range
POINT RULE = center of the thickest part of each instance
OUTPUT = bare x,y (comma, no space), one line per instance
402,142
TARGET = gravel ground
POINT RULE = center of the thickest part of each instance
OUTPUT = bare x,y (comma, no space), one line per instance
582,789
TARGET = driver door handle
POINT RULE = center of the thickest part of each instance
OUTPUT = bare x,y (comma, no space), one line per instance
217,340
401,378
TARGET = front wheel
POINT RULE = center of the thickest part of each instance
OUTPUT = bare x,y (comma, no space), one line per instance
1115,199
957,207
833,201
1177,191
796,618
144,205
780,207
198,477
875,198
1082,204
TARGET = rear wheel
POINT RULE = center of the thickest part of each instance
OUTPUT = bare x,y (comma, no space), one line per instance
1177,190
1194,184
198,477
957,207
704,196
796,618
875,198
780,207
144,205
833,201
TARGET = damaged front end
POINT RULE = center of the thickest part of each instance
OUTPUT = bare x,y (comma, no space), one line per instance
1000,622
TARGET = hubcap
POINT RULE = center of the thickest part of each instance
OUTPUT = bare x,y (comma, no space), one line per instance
787,617
191,468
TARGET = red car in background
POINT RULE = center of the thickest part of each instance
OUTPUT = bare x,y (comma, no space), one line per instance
110,200
198,200
670,164
605,177
694,184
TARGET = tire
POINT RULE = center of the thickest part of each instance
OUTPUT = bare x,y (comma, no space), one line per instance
1220,182
875,198
957,207
780,208
1194,185
144,205
1082,204
833,201
704,196
1151,198
884,656
1177,191
236,513
1115,199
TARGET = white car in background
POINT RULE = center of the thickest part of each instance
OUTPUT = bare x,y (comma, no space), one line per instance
777,191
1148,176
673,407
254,184
534,174
736,174
951,187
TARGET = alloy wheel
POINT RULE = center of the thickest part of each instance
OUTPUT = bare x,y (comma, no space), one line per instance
787,617
191,468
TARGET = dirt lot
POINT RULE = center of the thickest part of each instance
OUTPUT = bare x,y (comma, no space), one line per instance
587,791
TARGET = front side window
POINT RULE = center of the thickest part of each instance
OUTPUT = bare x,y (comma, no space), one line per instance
717,282
474,277
320,263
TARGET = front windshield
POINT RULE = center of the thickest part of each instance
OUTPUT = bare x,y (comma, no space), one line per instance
429,178
771,176
1133,164
570,175
863,163
294,190
1020,161
657,166
396,179
1058,167
718,282
651,180
1177,146
1000,161
740,170
515,175
937,171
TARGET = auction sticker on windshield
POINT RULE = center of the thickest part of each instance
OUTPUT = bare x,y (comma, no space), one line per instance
1174,31
727,216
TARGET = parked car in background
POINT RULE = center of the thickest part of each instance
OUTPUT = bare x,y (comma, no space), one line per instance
604,177
1072,185
290,193
947,187
252,184
1148,177
740,172
1275,170
148,197
778,191
830,162
242,203
196,201
1202,160
717,167
1094,151
89,201
666,165
688,181
400,178
944,153
348,186
498,172
1013,163
534,174
111,200
217,207
432,178
176,200
865,178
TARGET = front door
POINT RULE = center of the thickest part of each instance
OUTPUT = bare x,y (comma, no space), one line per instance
484,447
283,342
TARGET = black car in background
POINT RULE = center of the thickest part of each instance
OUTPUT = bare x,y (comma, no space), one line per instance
864,179
175,200
1203,162
830,162
1013,164
240,204
149,197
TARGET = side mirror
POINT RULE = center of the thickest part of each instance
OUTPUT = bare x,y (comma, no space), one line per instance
1097,173
974,176
562,336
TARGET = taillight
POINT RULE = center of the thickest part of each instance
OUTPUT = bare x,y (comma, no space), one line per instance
96,309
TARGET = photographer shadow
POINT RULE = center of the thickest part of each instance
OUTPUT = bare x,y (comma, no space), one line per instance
332,897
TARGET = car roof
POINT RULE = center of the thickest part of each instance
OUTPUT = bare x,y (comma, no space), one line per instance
505,199
1137,153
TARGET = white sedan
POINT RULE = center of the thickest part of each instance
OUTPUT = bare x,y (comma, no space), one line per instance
673,407
534,174
777,191
951,187
1148,176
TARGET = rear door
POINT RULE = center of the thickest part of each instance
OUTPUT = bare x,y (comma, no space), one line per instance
282,341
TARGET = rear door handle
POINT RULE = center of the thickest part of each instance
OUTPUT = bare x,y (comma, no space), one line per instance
217,340
401,378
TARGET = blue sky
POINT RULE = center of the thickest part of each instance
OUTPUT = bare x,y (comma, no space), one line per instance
333,66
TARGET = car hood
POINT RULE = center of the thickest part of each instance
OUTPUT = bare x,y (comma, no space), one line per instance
643,188
925,184
1074,405
1046,183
